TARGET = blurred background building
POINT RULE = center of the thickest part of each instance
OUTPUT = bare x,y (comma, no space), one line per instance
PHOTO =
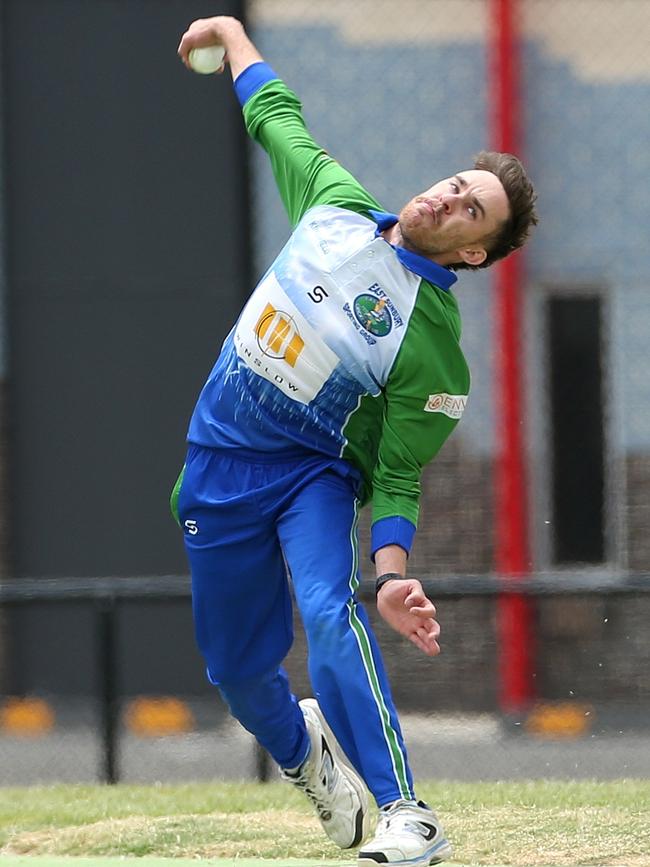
135,220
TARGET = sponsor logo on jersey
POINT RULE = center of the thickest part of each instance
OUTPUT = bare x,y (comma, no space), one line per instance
277,335
264,368
452,405
373,314
277,342
317,294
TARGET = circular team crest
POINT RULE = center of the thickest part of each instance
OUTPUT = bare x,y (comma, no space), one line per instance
372,313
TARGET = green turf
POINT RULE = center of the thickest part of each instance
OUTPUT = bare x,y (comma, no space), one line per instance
534,824
72,861
54,861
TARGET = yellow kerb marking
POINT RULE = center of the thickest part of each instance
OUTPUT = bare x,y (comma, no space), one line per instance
26,716
158,715
560,719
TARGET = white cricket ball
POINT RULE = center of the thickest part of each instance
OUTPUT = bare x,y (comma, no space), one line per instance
207,60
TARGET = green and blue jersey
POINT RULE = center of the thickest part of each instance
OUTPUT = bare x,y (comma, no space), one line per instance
348,346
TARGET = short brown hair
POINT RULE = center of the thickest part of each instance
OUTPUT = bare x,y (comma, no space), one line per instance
515,231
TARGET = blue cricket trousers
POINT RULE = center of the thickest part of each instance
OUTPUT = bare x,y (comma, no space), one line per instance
248,521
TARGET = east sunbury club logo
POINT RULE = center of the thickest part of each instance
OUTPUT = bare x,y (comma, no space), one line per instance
373,314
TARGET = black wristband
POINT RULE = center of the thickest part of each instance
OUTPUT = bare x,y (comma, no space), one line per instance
387,576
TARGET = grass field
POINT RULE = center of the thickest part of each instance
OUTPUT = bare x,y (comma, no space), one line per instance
536,824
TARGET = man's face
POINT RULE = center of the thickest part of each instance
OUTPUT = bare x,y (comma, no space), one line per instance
450,221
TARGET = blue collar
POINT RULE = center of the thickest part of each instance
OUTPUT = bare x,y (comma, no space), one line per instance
423,267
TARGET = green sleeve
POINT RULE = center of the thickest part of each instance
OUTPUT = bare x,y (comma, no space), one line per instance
305,174
429,371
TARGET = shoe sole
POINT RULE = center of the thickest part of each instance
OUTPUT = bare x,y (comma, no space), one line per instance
363,818
442,852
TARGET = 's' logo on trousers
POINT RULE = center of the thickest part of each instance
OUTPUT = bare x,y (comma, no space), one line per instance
277,335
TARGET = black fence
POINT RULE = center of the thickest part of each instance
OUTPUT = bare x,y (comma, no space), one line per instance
588,713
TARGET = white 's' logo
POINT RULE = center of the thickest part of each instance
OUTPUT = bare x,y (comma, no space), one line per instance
452,405
191,527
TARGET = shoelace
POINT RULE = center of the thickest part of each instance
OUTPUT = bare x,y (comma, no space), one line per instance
383,824
408,823
322,810
313,796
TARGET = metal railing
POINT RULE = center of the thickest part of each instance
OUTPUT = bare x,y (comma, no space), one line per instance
467,601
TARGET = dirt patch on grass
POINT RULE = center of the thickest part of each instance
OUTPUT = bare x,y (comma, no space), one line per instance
529,837
516,836
269,834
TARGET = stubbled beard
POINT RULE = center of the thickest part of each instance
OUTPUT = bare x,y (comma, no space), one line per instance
432,249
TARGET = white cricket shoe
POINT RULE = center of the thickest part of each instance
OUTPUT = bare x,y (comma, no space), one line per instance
329,782
408,835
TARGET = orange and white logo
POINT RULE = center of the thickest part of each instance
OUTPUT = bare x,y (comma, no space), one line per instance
276,341
451,405
277,335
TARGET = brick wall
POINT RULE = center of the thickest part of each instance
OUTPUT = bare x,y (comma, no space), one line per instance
589,648
455,534
461,677
593,648
638,511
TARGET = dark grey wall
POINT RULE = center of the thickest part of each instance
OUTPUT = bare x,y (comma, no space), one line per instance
126,217
127,259
55,647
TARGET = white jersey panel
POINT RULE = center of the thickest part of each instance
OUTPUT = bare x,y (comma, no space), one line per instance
321,330
276,341
351,288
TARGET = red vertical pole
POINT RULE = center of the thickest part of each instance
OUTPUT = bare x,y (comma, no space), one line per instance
512,560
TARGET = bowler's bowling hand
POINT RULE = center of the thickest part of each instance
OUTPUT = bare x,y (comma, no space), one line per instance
404,606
